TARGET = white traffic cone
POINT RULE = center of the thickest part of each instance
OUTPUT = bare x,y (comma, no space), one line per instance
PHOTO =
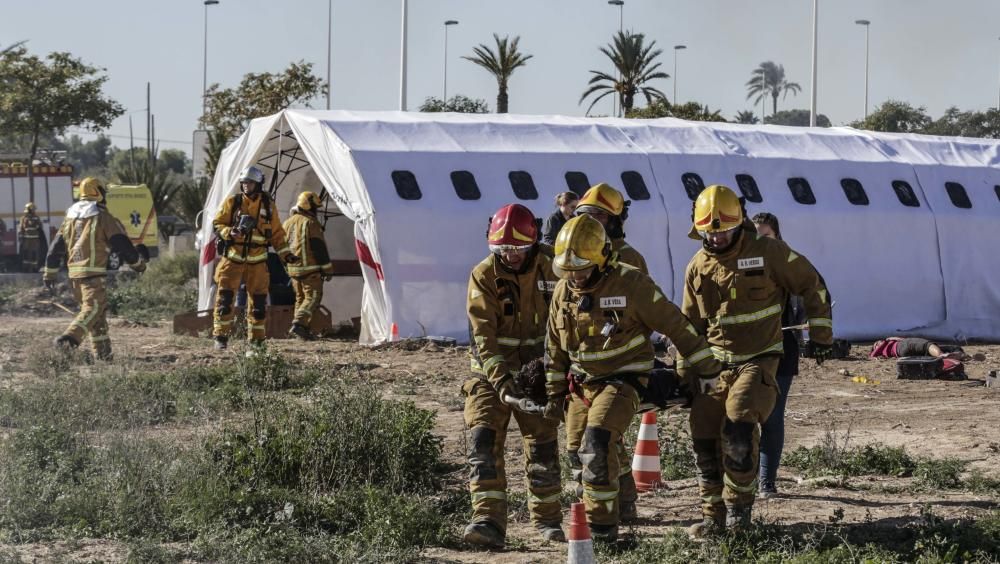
646,462
581,547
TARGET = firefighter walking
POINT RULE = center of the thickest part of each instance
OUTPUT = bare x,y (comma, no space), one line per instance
507,307
83,242
31,236
305,240
735,289
245,226
607,206
600,319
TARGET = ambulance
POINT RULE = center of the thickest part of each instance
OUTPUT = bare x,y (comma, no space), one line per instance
132,204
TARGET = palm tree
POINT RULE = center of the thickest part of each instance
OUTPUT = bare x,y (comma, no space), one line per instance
634,64
769,79
746,116
501,64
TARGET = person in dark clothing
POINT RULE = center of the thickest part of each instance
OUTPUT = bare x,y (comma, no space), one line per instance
566,205
772,432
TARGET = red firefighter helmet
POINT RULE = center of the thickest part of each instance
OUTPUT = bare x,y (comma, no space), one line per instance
513,227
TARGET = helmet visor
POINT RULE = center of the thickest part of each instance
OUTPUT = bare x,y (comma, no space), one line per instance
567,263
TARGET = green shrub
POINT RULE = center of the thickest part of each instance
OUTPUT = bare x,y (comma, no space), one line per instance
940,473
168,287
347,436
873,458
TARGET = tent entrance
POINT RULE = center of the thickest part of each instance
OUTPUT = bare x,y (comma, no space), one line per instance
288,174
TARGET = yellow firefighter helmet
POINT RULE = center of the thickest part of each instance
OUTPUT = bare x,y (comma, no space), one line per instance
581,244
29,207
716,209
307,202
91,189
601,198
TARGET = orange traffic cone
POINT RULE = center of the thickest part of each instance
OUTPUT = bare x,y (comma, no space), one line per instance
394,332
646,462
581,547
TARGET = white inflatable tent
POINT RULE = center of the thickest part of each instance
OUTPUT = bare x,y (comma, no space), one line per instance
899,225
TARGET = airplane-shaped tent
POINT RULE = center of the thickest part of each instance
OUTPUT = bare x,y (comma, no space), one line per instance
902,227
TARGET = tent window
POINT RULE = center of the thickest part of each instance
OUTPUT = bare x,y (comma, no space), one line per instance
465,185
523,185
997,190
577,182
958,195
748,187
406,185
635,185
854,191
905,193
801,191
693,185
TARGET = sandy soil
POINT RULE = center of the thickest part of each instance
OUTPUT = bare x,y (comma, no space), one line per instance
930,418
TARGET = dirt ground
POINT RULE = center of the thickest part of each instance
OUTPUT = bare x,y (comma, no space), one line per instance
930,418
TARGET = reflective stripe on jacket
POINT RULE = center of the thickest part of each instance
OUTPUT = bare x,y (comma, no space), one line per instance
605,331
737,298
266,233
305,240
507,315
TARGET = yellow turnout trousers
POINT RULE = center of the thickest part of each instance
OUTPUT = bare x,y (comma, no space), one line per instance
726,434
487,419
308,296
92,296
228,276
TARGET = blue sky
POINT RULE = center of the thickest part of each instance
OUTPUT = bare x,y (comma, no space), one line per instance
927,52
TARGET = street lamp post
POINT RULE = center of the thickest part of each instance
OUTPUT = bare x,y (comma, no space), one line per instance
676,49
447,24
204,72
812,102
998,100
621,20
402,60
865,23
329,40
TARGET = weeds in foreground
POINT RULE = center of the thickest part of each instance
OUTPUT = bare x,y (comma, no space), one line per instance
928,538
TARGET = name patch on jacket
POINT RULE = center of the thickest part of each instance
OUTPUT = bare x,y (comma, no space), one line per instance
745,263
613,301
546,286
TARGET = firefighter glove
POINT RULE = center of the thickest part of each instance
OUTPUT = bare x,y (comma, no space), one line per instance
292,259
709,383
820,352
525,405
555,409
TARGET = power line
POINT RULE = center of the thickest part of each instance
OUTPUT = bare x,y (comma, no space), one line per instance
115,136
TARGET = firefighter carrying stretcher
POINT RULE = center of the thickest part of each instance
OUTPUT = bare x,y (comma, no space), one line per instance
609,208
507,306
735,289
600,319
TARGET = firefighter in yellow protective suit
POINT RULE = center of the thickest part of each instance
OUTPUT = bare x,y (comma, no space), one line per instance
507,306
608,206
305,239
735,289
245,226
600,319
83,243
31,233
